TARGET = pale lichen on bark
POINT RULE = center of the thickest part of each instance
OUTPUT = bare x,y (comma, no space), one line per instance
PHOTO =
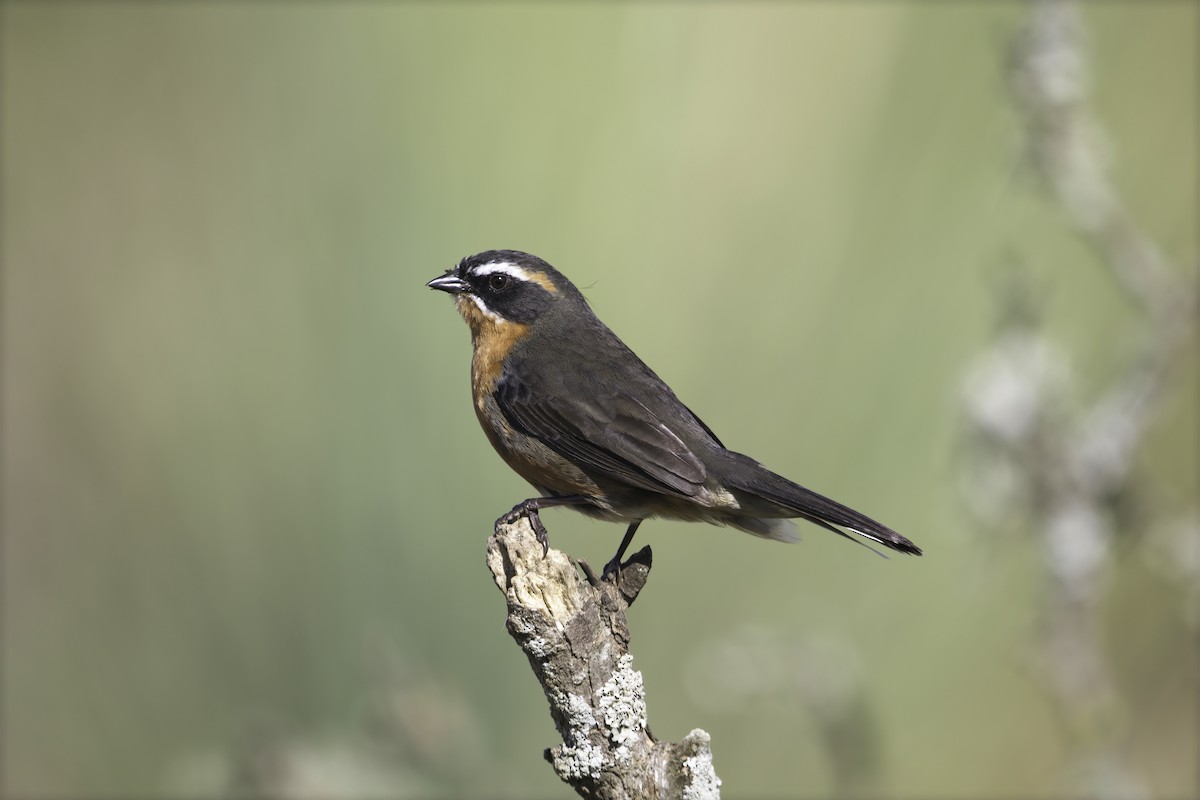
576,636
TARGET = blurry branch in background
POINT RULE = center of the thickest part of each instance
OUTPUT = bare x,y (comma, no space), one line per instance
576,637
1068,464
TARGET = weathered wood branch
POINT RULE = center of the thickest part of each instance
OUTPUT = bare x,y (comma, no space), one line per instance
574,632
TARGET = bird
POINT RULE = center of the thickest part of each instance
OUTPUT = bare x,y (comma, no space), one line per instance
576,413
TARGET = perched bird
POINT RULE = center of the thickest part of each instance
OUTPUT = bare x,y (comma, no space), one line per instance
577,414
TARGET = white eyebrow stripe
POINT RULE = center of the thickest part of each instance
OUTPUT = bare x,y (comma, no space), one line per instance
511,270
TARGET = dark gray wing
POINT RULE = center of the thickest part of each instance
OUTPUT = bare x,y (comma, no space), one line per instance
607,431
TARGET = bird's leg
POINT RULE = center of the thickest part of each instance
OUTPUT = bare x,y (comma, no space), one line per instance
613,567
529,510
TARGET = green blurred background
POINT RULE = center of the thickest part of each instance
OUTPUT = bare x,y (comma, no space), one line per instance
245,498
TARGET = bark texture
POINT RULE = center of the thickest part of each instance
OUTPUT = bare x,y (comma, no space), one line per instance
573,629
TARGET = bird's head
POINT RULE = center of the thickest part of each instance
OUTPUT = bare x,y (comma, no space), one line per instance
501,288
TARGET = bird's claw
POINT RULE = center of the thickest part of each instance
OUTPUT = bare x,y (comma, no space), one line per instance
612,571
540,533
530,512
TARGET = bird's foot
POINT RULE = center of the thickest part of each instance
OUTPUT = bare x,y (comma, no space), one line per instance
529,510
626,577
612,570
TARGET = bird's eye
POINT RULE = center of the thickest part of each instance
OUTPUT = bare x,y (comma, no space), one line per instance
497,281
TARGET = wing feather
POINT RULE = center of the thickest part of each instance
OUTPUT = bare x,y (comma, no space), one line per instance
608,432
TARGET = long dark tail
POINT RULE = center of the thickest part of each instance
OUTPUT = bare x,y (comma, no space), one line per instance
815,508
